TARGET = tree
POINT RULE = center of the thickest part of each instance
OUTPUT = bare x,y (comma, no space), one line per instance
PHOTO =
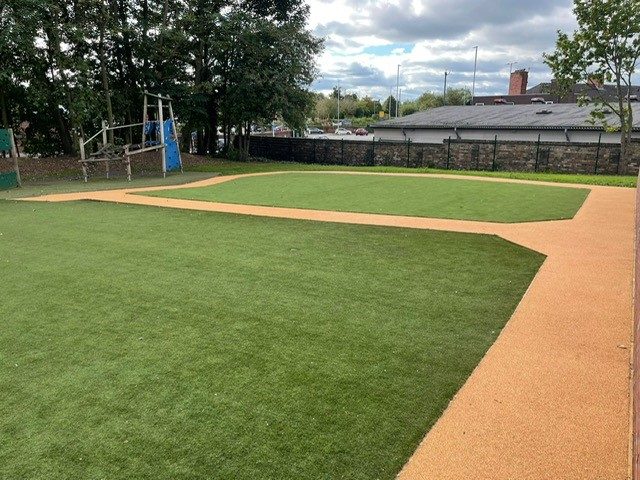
389,106
606,45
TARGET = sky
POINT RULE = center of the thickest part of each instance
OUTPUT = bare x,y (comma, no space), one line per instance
366,40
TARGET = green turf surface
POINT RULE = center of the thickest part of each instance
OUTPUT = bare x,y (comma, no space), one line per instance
416,196
146,343
226,167
34,189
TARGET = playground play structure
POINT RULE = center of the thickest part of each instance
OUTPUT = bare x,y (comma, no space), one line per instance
158,134
9,179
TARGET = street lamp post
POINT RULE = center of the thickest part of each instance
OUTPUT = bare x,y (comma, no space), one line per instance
397,89
444,96
475,68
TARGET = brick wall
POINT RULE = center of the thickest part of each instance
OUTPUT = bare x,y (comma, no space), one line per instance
458,154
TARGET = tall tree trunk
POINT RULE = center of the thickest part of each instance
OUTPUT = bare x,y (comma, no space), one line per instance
3,108
55,58
104,19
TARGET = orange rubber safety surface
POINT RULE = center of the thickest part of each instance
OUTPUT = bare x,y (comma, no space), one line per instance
551,398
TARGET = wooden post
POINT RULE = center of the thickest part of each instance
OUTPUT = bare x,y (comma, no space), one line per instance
127,162
104,133
161,132
144,119
14,154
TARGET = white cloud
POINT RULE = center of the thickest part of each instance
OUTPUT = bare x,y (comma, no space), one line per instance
365,41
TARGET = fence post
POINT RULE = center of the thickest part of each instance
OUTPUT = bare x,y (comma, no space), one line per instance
373,153
342,151
408,150
595,170
495,150
448,151
537,153
290,149
314,150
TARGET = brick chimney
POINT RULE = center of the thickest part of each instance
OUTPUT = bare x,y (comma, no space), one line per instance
518,82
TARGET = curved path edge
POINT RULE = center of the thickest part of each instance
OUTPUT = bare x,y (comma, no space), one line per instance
551,398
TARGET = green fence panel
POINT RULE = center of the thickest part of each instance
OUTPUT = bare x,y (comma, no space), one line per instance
8,180
5,141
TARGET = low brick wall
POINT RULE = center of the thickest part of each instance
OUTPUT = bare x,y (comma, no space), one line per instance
42,169
457,154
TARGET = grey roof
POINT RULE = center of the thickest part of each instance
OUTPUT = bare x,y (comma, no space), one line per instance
511,117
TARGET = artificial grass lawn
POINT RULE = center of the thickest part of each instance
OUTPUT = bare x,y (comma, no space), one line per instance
34,189
140,342
228,167
397,195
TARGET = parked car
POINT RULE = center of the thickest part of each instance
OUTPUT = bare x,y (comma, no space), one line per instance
342,131
314,131
362,132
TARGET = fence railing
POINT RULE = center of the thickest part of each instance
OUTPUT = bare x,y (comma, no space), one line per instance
460,154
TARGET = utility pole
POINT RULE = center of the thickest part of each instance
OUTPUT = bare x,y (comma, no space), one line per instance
444,96
475,68
400,99
338,87
397,89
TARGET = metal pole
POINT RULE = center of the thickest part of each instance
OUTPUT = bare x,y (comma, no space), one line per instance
400,99
475,68
373,152
408,151
537,153
595,171
495,150
339,123
448,151
444,96
397,89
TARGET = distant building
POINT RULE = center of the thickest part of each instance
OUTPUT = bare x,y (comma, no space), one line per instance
549,92
552,123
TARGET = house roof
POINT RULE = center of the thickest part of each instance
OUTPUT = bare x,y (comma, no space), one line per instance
506,117
606,91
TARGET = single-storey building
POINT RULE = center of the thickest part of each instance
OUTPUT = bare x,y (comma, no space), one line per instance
569,123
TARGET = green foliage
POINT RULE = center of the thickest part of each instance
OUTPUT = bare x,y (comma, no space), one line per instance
605,46
227,64
168,344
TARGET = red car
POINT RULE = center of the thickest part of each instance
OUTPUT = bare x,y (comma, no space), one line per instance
362,131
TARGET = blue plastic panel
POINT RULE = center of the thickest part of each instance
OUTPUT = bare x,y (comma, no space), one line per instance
172,152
